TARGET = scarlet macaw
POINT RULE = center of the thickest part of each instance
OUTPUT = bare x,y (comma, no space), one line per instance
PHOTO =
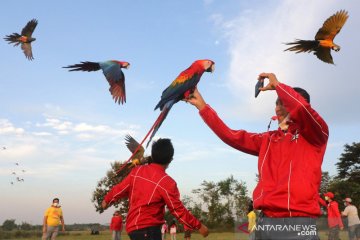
323,39
25,38
113,73
182,87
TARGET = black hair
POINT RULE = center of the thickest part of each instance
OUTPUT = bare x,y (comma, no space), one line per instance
162,151
303,93
56,199
250,206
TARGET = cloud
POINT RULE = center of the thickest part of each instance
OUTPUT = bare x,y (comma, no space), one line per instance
256,38
6,127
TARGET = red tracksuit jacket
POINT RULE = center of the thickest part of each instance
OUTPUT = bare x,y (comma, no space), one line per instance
289,164
116,223
149,189
334,217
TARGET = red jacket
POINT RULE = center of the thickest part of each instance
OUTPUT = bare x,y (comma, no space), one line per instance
333,213
289,164
149,189
116,223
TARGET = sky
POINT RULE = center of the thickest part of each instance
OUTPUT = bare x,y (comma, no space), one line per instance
64,129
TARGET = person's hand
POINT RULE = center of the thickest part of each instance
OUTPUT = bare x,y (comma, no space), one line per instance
196,99
204,231
104,205
341,228
273,82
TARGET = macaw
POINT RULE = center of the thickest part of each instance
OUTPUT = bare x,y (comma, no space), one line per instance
323,39
113,73
137,157
25,38
181,88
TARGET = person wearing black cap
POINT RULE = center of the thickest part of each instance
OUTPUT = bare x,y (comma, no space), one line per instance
289,160
334,218
351,213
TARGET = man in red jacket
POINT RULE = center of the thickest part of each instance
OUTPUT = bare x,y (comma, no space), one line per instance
289,161
116,226
149,189
334,218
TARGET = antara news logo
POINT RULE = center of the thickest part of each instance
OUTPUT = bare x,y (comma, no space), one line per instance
301,230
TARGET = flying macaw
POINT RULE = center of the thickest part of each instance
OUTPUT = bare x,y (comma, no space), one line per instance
25,38
113,73
182,87
323,39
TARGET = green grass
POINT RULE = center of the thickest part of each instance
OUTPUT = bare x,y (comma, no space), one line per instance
105,235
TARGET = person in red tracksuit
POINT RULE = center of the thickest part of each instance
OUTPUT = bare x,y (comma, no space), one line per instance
334,218
289,161
116,226
149,189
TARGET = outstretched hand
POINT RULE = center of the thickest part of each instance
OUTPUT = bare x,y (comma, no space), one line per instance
196,99
104,205
273,82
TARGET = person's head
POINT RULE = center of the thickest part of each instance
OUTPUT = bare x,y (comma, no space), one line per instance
116,213
280,110
347,201
250,206
55,202
162,151
329,196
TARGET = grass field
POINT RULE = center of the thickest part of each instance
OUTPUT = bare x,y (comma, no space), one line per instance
105,235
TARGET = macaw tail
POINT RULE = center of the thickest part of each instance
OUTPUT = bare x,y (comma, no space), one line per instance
160,120
84,66
303,46
13,38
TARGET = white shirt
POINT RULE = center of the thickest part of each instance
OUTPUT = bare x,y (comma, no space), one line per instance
352,213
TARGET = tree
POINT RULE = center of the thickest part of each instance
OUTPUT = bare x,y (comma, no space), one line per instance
222,202
325,182
25,226
104,185
9,224
349,165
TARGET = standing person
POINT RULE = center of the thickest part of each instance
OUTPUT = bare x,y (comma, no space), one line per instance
334,218
187,232
53,217
116,226
351,212
173,228
289,160
251,220
164,229
149,189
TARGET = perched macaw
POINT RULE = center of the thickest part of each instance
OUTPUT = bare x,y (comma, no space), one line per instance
323,39
182,87
113,73
137,157
25,38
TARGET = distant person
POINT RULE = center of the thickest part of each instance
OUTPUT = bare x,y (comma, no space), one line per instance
53,217
251,221
334,218
289,159
149,189
351,212
173,229
187,232
164,229
116,226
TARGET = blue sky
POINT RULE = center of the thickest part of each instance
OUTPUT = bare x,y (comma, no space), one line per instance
64,128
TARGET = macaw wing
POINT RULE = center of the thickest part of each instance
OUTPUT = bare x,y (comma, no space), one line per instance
324,55
177,88
29,28
332,26
132,144
26,47
116,79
